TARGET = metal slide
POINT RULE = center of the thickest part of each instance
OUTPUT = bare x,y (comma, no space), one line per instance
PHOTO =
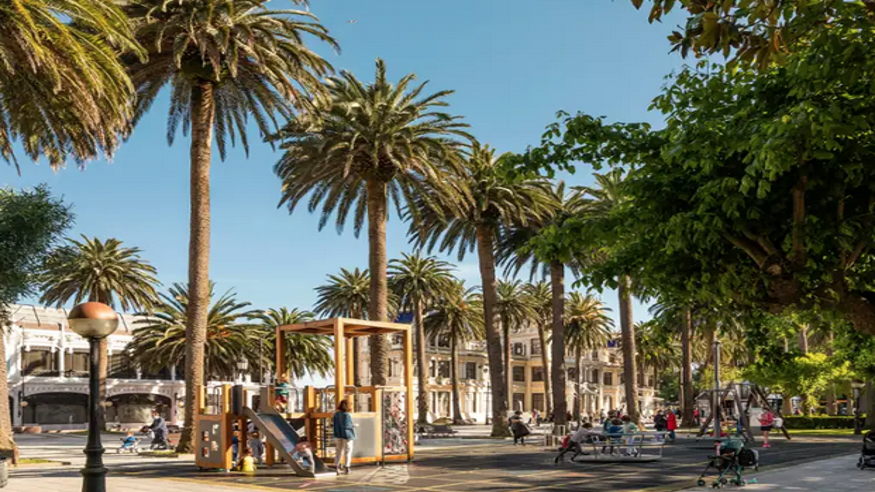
283,438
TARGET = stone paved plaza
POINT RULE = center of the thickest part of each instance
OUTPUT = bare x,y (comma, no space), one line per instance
461,465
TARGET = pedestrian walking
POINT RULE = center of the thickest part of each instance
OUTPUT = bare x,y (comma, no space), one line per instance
344,435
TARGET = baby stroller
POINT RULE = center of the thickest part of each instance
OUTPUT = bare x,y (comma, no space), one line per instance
128,446
867,456
730,460
158,443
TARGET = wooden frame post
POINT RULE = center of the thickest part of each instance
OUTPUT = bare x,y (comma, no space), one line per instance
339,362
280,359
408,383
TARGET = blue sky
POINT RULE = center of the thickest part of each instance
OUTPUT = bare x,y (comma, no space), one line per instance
513,64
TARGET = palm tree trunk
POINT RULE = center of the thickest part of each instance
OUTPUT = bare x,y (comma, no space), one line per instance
627,329
578,400
422,366
508,363
7,444
545,364
486,257
687,395
379,291
454,374
202,115
557,371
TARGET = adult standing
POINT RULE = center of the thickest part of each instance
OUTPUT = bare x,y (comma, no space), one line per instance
671,425
518,428
159,431
344,435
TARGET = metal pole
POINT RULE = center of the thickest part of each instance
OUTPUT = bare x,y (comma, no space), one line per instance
94,473
718,431
858,422
261,360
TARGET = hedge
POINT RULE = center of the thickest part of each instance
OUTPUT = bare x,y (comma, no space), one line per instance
819,422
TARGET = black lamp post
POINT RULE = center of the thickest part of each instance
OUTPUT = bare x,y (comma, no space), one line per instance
242,367
93,321
858,422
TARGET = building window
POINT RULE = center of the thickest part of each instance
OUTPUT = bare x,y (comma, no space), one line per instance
594,377
538,402
612,358
444,369
595,355
519,401
392,368
519,349
397,340
572,375
471,370
38,362
536,346
609,379
537,374
443,341
432,368
622,379
519,374
76,364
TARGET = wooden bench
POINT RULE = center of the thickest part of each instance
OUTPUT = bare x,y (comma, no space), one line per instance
436,430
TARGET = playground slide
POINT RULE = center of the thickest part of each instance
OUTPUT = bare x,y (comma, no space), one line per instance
283,438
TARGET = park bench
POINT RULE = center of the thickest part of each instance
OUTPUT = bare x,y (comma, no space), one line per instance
436,430
641,446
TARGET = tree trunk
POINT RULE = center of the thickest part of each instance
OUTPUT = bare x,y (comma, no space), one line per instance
454,373
202,115
578,400
486,257
832,406
786,404
557,371
508,363
803,338
378,306
687,392
422,367
545,365
869,404
627,329
7,443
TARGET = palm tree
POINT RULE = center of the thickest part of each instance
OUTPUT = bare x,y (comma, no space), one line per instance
368,144
588,328
99,271
540,298
346,295
418,281
225,60
304,354
63,90
497,200
161,337
514,311
657,349
667,314
608,197
456,315
514,252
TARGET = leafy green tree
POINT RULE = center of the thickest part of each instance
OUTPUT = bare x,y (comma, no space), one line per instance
540,297
31,223
346,295
514,312
754,31
225,61
160,337
808,375
366,145
514,251
64,92
304,354
497,200
756,190
588,328
418,281
457,315
99,271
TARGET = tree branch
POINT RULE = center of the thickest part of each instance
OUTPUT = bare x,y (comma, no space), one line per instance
751,248
763,241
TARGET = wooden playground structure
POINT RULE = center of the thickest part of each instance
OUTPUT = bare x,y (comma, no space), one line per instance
382,415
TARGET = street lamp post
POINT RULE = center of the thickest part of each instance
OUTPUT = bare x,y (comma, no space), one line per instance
93,321
717,400
242,367
858,421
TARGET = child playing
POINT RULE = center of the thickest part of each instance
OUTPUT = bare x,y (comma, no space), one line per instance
304,454
629,431
613,433
247,463
257,446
